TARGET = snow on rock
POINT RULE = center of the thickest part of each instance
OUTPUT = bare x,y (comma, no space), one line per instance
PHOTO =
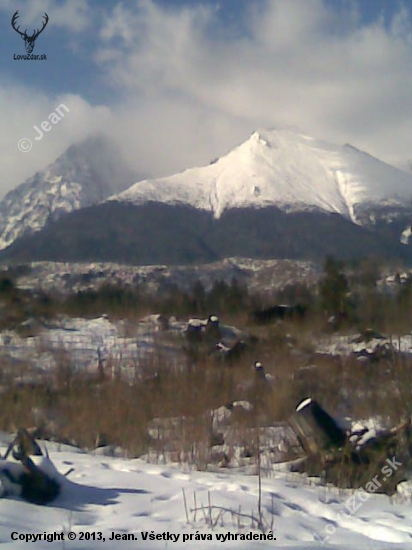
406,235
372,427
283,168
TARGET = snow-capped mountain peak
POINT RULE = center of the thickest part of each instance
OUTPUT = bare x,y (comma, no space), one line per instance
85,174
290,170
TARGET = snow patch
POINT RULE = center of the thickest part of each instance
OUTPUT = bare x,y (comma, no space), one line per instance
406,235
303,404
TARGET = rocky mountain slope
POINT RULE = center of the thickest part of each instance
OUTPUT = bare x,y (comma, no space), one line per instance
85,174
280,194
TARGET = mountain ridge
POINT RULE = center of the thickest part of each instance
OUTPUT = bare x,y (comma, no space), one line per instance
85,174
289,170
277,195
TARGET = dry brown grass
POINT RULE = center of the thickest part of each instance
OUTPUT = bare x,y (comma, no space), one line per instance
91,411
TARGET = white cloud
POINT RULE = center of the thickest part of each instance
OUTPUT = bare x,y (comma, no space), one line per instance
301,64
187,89
73,15
81,120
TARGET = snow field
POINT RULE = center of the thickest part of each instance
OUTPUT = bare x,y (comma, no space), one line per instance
131,497
283,168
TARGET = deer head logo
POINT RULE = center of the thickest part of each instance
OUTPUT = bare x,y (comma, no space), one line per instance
28,40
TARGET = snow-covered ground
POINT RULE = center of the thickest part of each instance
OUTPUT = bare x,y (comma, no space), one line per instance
350,343
260,275
118,347
105,496
83,342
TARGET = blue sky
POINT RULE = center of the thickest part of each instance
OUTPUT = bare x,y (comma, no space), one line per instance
178,82
80,74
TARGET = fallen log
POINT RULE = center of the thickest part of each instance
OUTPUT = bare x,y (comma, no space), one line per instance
25,471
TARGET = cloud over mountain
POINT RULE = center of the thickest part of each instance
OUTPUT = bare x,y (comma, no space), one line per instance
179,83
